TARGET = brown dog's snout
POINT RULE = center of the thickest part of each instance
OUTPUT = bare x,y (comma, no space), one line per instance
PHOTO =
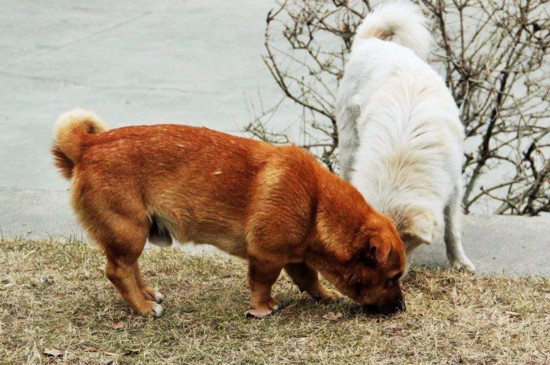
393,307
386,309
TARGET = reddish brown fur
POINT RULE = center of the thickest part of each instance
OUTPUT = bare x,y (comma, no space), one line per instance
63,163
275,206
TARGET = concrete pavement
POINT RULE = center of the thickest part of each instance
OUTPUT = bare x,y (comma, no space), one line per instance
132,62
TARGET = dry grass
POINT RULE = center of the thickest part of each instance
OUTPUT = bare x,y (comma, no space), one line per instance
55,296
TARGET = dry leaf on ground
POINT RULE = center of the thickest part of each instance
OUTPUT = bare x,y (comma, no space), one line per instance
52,352
331,316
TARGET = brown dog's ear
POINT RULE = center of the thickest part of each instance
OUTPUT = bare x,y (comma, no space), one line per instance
377,251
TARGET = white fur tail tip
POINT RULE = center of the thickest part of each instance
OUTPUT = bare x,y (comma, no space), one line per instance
79,116
400,22
70,128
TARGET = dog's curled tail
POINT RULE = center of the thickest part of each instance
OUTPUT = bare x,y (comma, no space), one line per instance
400,22
71,128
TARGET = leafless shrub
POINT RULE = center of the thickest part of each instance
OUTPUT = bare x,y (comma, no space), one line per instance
494,55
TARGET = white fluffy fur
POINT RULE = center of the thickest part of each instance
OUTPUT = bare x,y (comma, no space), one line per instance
399,128
71,125
75,116
400,22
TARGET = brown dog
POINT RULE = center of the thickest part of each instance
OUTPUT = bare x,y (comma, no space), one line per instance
275,206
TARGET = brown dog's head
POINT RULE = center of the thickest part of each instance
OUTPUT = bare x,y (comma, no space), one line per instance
368,267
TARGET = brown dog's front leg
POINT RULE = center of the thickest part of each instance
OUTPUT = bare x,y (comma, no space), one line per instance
261,276
307,280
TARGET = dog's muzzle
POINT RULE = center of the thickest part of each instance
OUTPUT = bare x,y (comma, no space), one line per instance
384,309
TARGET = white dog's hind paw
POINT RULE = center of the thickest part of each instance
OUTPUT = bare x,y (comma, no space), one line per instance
463,264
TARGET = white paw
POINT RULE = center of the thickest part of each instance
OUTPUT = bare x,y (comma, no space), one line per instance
158,310
159,298
258,313
463,263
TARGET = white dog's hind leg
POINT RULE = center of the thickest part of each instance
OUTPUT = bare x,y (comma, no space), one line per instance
453,239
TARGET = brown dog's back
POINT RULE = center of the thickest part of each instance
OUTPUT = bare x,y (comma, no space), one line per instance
189,182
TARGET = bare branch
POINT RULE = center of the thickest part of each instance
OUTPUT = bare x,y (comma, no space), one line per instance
495,56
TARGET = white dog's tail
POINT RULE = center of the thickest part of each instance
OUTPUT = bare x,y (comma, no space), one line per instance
400,22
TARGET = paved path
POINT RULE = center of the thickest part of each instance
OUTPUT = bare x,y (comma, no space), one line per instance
134,62
509,245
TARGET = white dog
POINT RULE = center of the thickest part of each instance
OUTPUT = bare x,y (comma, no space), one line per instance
400,134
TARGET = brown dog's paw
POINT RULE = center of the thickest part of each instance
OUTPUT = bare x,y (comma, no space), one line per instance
329,296
157,310
273,304
263,310
326,296
152,310
258,313
159,298
152,294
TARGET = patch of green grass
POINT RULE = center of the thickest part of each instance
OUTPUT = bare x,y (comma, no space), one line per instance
55,296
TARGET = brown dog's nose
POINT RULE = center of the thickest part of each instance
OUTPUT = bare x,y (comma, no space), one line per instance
369,309
385,309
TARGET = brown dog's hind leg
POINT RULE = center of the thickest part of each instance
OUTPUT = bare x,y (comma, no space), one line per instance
261,276
122,273
123,241
307,280
148,291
